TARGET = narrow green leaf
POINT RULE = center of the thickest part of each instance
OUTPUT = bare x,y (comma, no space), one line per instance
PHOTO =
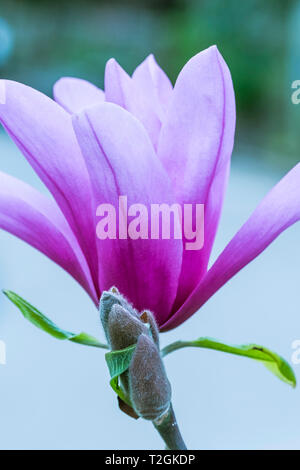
45,324
118,362
275,363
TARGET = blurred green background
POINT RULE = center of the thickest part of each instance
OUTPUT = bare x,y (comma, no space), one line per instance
41,41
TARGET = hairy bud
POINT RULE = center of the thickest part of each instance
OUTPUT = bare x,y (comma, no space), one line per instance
149,387
107,301
147,317
145,382
123,328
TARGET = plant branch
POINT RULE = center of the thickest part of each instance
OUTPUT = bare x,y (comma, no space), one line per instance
169,431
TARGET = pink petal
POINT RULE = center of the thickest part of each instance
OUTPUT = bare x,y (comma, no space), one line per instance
131,94
155,86
195,147
121,162
277,211
44,133
75,94
117,85
37,220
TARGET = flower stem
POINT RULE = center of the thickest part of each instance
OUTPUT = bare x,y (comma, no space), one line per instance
168,429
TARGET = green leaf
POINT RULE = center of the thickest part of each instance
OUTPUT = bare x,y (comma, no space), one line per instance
275,363
45,324
118,362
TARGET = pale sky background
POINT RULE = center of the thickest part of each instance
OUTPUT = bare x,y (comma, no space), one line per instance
56,395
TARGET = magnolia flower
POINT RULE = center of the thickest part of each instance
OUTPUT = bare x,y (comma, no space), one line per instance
142,138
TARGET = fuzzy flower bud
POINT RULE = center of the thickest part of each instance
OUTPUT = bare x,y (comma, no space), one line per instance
107,301
149,387
147,317
145,382
123,328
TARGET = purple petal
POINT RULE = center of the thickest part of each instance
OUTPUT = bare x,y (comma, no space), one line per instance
122,162
277,211
131,94
117,85
44,133
195,147
75,94
37,220
154,85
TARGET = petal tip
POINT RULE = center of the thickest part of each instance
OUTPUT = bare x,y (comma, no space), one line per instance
151,57
212,50
112,62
